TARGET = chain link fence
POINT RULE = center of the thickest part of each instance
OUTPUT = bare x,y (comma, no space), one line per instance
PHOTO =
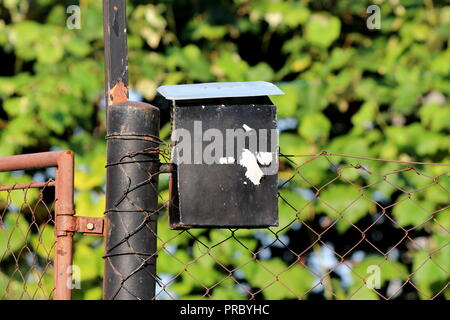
27,240
350,228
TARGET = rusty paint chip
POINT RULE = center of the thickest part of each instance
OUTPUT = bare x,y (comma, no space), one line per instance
119,93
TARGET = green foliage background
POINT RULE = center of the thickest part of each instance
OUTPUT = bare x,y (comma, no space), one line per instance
377,93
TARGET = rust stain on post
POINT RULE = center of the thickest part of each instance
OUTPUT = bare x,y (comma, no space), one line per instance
119,93
116,57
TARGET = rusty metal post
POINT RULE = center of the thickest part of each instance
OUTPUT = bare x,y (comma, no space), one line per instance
63,207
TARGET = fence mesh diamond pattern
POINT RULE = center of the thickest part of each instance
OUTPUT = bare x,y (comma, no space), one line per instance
349,229
27,240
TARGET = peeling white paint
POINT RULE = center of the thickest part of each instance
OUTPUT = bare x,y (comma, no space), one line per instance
254,172
226,160
246,128
264,158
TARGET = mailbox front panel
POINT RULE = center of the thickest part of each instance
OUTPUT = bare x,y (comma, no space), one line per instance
227,183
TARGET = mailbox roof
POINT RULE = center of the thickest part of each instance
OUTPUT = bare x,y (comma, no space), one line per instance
219,90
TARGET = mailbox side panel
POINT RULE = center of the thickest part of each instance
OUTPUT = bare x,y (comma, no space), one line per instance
222,195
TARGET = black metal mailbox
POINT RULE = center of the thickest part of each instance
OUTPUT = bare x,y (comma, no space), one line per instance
225,155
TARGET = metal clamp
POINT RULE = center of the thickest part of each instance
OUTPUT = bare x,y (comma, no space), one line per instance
86,225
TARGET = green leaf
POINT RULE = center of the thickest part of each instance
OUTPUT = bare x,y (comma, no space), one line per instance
340,57
365,276
295,14
49,49
43,243
389,269
280,282
207,31
24,35
192,61
230,67
261,72
358,292
364,119
430,271
288,103
13,233
17,106
292,144
315,127
203,273
90,204
435,117
93,293
228,290
411,211
287,201
77,46
406,98
344,200
322,29
89,260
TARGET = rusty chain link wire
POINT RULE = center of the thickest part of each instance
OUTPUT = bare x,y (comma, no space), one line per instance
350,228
27,240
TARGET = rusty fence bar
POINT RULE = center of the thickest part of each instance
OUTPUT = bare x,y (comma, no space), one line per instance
64,207
64,239
28,186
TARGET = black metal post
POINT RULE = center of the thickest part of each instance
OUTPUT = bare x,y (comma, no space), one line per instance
131,201
132,172
116,52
